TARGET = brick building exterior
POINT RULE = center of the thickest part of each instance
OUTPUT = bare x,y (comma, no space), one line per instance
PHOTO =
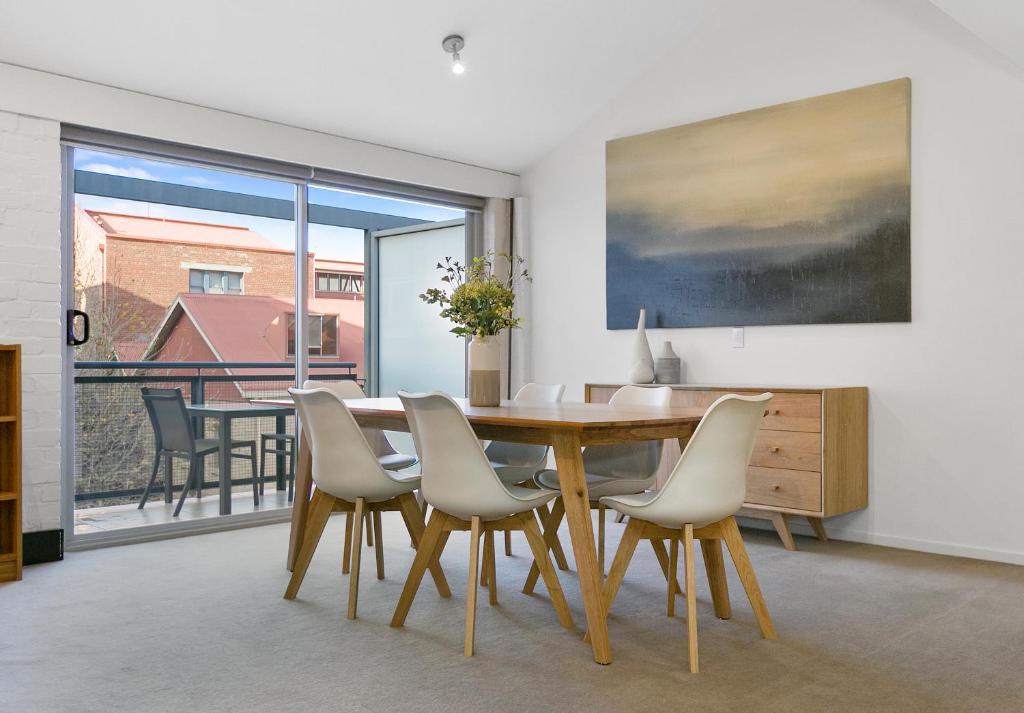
130,271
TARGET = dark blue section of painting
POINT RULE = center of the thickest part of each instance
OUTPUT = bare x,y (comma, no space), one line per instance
865,278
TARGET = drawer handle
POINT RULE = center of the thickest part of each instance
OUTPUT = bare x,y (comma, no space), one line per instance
773,449
776,487
775,412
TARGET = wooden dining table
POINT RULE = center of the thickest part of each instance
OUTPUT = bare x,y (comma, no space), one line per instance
567,427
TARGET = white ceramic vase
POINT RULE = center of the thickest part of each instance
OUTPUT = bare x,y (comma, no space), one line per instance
484,372
641,370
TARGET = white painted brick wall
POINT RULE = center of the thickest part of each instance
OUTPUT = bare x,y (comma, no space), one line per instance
30,278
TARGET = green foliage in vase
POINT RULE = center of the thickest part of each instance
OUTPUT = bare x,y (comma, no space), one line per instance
475,297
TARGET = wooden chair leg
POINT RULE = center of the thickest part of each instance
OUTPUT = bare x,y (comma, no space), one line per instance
508,543
781,523
715,567
492,585
600,538
413,517
623,556
357,535
485,569
547,570
427,550
691,596
818,525
380,544
369,532
320,508
474,564
555,544
346,557
662,554
550,539
673,562
734,541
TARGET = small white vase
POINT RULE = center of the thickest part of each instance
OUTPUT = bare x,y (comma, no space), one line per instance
641,369
484,372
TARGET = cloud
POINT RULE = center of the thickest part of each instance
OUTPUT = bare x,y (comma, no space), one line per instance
126,171
200,181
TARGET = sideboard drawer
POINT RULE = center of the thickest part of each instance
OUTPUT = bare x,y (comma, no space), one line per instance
794,412
796,450
799,489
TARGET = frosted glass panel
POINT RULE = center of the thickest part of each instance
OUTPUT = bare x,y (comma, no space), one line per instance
417,350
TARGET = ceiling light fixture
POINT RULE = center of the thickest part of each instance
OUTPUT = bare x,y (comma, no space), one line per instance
454,44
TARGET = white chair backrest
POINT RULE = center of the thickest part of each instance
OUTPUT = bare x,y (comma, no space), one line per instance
637,460
344,465
540,393
457,477
710,480
525,454
344,389
349,389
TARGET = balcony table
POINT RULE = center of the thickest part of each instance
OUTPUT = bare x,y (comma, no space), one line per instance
567,427
224,415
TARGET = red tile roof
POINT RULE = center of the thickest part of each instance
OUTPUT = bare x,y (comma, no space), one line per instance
139,227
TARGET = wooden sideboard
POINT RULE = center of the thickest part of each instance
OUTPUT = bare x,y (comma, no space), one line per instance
10,462
810,458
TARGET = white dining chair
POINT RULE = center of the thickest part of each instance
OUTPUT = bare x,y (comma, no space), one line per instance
350,479
466,494
518,463
699,501
620,469
386,454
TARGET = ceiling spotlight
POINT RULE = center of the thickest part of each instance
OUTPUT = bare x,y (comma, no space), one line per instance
454,44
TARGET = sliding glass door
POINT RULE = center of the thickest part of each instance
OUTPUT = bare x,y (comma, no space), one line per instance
219,281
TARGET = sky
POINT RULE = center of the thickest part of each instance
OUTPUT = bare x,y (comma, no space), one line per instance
326,241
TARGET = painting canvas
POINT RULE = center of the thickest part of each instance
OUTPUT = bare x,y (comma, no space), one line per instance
792,214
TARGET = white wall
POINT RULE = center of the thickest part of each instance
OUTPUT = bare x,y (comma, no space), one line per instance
32,106
30,300
945,467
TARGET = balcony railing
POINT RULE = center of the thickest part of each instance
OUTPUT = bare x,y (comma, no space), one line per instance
114,444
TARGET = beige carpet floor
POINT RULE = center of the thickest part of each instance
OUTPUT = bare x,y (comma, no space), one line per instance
198,625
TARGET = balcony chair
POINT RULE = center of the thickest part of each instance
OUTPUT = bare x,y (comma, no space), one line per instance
350,479
387,456
172,432
620,469
466,494
698,501
518,463
272,443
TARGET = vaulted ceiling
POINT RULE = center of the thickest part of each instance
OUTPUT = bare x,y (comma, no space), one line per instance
375,71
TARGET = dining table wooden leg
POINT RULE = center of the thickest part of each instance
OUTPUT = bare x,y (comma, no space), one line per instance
300,506
573,482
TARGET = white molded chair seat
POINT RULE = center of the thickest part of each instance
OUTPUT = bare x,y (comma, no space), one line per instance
699,500
349,478
466,494
519,462
598,486
386,454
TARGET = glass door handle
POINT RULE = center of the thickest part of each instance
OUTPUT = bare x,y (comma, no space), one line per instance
71,339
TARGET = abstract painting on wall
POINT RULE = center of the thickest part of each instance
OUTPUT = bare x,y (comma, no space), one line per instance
792,214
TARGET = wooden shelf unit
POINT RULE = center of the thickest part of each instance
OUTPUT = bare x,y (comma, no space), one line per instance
10,462
810,458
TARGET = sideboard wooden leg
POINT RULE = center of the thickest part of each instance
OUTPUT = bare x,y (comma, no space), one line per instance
782,527
818,525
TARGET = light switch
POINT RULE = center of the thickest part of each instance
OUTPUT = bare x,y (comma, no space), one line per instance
737,337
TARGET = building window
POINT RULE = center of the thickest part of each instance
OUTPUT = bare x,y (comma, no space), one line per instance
215,282
344,282
323,334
